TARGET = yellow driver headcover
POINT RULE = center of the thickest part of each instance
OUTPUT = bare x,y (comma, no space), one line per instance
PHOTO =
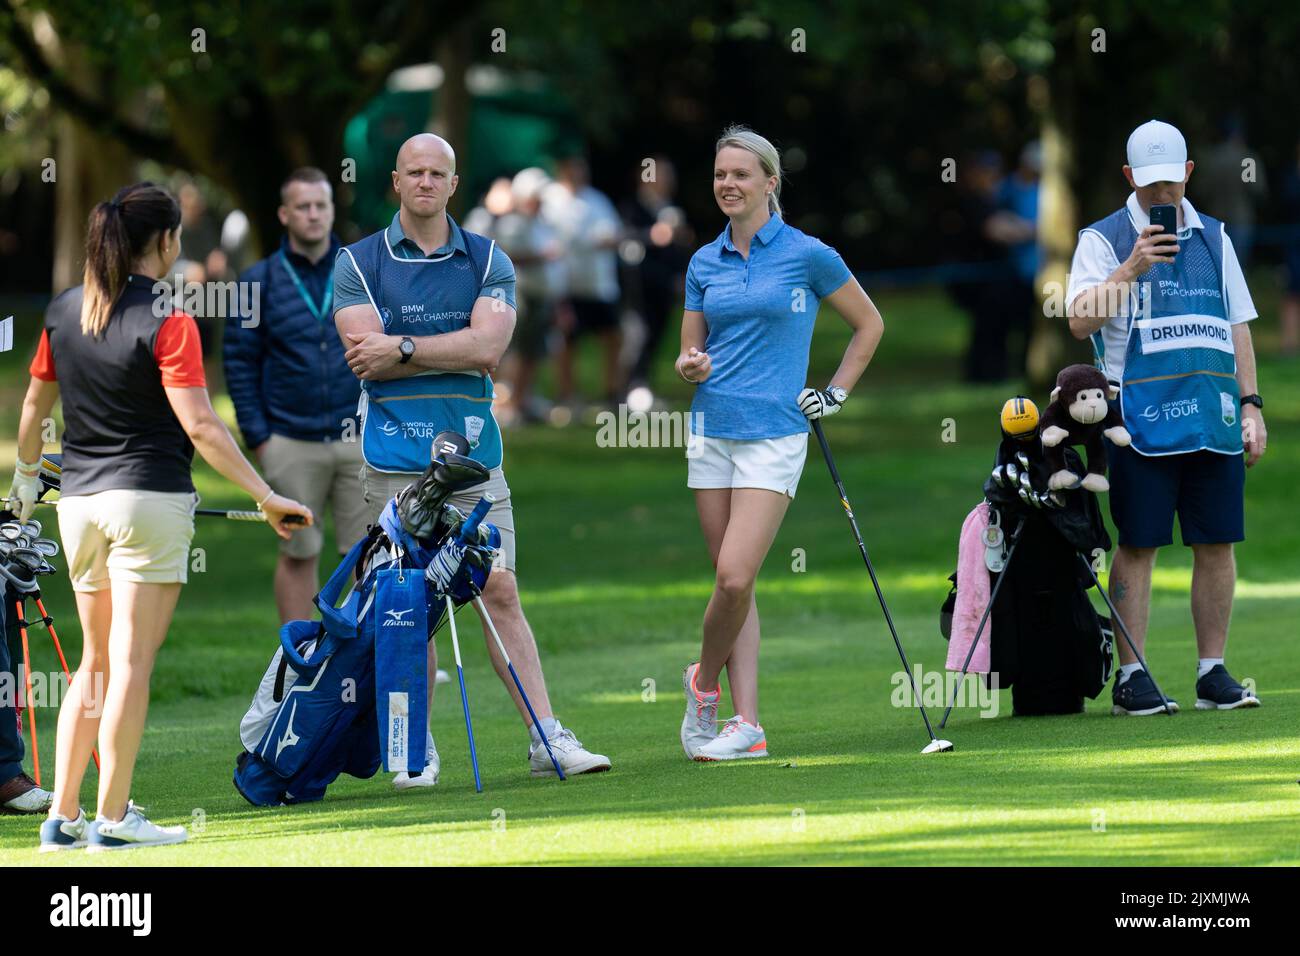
1019,418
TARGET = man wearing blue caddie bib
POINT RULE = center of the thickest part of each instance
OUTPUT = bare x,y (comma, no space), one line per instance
1169,319
425,310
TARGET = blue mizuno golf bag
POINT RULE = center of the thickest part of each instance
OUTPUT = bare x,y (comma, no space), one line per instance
349,693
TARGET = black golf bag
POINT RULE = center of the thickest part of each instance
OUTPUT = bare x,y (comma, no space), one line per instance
1048,644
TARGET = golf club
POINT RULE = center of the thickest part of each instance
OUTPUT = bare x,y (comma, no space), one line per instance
935,745
1119,621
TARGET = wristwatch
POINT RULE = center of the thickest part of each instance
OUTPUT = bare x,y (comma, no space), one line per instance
1253,400
837,393
407,348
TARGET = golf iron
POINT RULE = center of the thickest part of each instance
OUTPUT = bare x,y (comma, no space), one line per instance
936,745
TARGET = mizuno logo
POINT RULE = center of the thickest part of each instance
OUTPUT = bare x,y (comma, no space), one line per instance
397,618
289,738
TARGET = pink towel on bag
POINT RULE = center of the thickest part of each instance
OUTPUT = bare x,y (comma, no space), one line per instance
973,589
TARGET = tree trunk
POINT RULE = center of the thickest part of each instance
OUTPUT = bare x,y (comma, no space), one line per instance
451,119
88,169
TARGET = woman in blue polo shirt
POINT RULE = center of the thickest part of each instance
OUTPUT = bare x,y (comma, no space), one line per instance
751,300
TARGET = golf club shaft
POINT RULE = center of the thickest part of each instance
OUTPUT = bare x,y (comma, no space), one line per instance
464,694
862,547
228,514
1015,540
482,609
1119,622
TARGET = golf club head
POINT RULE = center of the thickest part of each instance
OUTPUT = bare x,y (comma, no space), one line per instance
1023,459
419,505
999,478
32,528
11,530
938,746
1013,473
47,546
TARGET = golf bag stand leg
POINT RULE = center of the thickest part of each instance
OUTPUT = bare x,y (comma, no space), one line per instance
27,678
464,697
492,628
988,609
935,745
1119,622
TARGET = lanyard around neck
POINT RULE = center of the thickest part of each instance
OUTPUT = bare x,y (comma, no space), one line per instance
318,312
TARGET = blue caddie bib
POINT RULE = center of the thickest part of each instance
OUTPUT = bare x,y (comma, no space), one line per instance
1179,389
400,417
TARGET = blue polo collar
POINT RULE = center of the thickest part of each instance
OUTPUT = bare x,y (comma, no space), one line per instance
409,249
763,236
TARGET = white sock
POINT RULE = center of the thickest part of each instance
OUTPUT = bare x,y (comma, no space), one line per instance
1206,664
549,724
1128,670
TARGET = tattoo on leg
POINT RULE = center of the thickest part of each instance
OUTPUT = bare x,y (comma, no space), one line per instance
1118,589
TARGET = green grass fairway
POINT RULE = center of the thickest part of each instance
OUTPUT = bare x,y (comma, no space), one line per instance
614,576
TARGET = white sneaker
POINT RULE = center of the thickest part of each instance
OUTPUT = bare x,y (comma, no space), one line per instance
700,725
429,778
737,741
60,833
442,677
131,832
572,756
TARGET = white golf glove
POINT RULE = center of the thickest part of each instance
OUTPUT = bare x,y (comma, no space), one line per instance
818,403
25,488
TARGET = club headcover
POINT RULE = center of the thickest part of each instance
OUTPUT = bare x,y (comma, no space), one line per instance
419,504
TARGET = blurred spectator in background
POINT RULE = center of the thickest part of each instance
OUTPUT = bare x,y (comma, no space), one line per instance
1233,187
1018,197
535,249
497,202
1289,343
979,235
658,251
589,228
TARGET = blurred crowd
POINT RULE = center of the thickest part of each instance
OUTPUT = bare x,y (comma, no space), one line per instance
586,268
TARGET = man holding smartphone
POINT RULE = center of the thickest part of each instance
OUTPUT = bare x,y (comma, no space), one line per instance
1158,288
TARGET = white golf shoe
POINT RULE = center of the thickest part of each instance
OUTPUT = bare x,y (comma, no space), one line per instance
432,766
700,725
572,756
737,741
131,832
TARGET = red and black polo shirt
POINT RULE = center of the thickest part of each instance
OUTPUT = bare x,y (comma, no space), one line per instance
119,429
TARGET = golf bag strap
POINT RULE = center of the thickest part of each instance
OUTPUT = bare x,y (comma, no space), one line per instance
340,622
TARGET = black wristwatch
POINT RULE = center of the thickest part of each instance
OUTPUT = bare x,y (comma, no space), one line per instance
1253,400
407,348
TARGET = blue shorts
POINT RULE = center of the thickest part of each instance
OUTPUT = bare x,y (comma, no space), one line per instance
1204,488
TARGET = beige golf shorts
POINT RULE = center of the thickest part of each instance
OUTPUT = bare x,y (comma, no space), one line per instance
319,474
124,535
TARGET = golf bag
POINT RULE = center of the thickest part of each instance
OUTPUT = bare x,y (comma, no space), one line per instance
348,693
1048,644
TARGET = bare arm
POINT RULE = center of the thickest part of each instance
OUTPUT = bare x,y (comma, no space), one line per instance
1095,306
375,356
37,404
212,440
860,313
693,363
1253,433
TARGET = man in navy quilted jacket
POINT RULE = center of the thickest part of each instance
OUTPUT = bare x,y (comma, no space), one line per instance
295,397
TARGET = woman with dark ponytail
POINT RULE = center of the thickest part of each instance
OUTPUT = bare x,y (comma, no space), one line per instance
129,371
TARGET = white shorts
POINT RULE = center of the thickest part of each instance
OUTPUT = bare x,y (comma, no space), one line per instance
125,535
774,464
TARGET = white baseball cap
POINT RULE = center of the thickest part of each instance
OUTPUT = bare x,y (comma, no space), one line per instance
1157,152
